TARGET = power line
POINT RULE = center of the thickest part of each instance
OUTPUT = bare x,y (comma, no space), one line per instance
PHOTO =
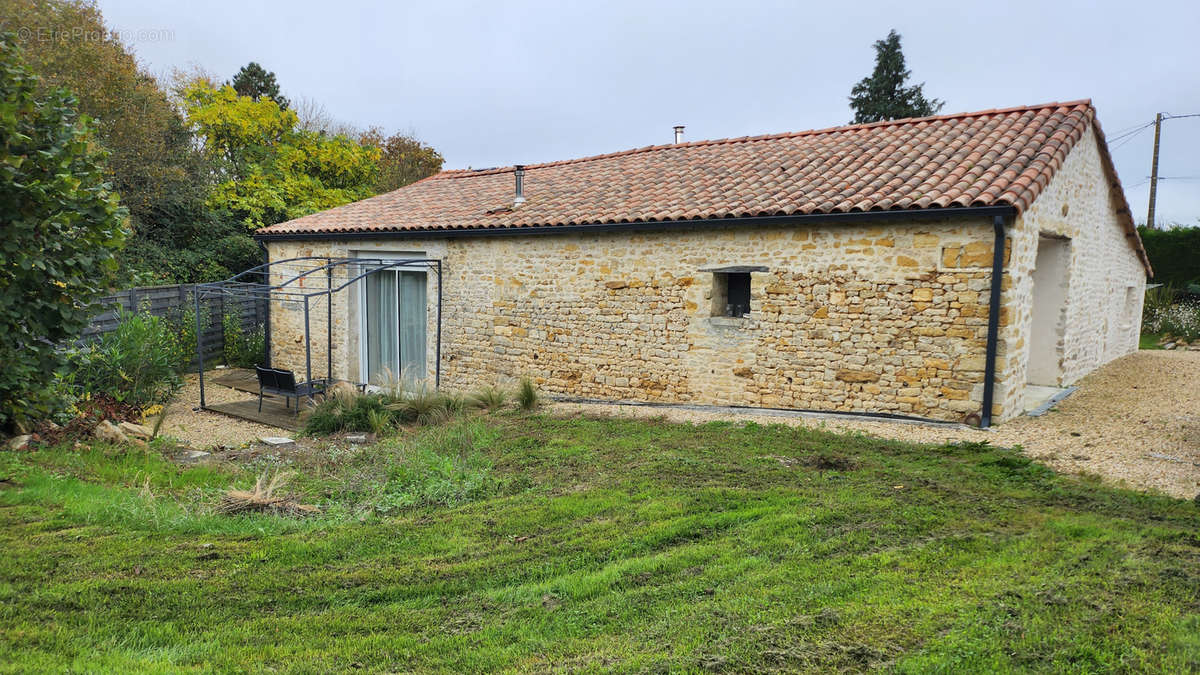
1158,120
1122,132
1128,137
1131,132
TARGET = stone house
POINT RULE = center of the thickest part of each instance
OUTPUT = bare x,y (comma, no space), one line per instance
846,269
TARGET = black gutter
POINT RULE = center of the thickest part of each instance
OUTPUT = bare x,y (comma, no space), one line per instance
993,335
657,225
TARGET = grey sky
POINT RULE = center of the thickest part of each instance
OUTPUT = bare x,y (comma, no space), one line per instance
497,83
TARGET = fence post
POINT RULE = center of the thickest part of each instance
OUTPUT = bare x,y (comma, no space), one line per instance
199,345
221,322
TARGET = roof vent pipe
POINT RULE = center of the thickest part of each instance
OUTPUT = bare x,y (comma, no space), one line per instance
519,174
678,134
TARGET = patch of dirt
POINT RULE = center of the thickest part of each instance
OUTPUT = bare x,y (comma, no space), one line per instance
829,462
91,413
1123,419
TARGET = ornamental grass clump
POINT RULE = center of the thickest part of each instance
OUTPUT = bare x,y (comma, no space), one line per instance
345,412
528,398
489,399
422,406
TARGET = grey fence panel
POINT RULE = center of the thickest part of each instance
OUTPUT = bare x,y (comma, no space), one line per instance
175,302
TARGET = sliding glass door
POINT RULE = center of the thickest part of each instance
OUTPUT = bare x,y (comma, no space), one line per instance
394,326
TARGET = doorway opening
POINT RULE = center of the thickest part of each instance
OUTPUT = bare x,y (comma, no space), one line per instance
1051,280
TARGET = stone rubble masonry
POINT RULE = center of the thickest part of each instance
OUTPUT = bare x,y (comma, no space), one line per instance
1106,282
854,318
889,317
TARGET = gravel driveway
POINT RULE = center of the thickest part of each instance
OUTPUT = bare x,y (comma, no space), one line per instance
1113,426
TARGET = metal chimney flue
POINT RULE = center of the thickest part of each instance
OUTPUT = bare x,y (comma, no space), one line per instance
678,134
519,174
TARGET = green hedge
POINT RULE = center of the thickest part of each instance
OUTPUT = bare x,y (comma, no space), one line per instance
1174,254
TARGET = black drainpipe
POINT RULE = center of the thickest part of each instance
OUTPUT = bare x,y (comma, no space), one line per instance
993,335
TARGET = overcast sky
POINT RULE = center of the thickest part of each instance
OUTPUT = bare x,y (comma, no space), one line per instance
498,83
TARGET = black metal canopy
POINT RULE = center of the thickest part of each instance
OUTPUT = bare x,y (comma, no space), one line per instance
333,274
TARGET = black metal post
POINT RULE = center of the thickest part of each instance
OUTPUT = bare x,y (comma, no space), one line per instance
437,378
307,351
266,321
993,335
199,342
329,325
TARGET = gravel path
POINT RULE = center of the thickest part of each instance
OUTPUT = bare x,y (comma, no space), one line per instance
1123,414
202,429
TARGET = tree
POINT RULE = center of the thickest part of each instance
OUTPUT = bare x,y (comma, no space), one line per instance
153,163
62,226
403,160
883,95
269,170
257,82
314,117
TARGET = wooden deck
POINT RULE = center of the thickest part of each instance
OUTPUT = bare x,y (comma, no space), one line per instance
237,378
273,413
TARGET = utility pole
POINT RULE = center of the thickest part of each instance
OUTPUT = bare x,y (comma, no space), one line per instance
1154,171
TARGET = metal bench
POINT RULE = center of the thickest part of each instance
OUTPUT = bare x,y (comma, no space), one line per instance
283,383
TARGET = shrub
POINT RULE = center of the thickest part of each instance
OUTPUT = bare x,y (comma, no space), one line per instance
380,421
135,364
1158,300
243,348
324,419
62,227
348,410
1174,254
182,343
1181,321
341,413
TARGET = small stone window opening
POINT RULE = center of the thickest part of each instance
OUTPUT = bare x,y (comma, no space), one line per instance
731,294
1131,307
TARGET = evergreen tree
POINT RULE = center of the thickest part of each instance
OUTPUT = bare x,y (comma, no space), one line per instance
883,95
256,82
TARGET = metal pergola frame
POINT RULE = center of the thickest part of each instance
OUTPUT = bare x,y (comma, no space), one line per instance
292,290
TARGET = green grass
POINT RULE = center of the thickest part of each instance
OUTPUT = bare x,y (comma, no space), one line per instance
532,543
1150,341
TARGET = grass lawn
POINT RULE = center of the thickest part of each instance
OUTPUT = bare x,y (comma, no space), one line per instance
1150,341
532,543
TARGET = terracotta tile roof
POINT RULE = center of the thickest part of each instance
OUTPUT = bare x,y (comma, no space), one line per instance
988,158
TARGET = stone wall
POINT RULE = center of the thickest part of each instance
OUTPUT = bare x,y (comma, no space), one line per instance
865,318
887,317
1105,283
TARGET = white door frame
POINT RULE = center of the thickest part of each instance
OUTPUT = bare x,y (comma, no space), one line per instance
363,373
